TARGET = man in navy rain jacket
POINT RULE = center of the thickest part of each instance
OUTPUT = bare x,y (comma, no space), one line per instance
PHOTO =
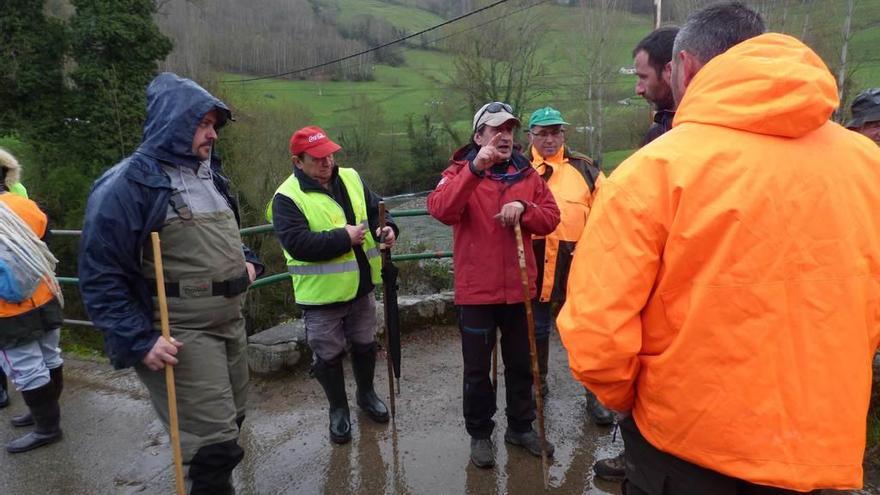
173,184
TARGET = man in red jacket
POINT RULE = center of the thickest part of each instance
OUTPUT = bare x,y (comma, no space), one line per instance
486,190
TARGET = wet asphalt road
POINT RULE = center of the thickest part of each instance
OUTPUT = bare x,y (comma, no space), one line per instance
114,444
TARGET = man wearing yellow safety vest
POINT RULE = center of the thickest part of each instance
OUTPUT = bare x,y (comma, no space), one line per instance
30,313
327,222
572,179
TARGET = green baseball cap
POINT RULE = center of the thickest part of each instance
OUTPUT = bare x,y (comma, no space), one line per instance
546,116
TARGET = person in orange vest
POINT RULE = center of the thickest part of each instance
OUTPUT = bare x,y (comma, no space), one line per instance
572,178
30,313
735,309
15,188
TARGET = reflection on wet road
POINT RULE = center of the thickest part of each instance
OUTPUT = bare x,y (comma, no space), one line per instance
113,444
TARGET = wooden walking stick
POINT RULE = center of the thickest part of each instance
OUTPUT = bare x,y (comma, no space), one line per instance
533,351
169,370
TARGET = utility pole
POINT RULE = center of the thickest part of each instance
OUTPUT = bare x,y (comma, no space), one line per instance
658,13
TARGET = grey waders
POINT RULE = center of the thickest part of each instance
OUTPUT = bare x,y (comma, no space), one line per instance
205,282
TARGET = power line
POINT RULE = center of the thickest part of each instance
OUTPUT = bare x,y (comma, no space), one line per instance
476,26
375,48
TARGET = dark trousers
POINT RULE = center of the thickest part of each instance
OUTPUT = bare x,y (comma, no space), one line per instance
478,325
652,472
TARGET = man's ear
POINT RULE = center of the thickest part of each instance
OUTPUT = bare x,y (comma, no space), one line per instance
666,74
690,65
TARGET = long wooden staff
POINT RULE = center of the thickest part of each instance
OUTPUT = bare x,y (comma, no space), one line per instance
169,370
533,351
386,258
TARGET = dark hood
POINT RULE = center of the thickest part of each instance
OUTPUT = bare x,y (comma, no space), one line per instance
175,106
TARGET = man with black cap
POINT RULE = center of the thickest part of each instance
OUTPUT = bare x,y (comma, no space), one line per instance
866,114
327,221
483,176
173,184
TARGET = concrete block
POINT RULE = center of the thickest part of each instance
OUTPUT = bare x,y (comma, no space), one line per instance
419,312
277,349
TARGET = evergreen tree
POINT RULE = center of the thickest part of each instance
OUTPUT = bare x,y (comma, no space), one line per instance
114,47
32,48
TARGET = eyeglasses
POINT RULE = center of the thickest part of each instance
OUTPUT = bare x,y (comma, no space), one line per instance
494,107
546,134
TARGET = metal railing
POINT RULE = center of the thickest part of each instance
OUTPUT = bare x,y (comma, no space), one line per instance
277,277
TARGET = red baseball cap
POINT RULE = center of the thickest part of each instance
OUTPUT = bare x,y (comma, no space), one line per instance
314,141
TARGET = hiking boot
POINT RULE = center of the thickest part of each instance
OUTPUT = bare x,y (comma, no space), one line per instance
528,440
599,414
363,363
332,380
611,468
481,453
47,417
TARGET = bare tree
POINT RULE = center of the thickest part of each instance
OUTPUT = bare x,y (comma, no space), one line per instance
841,71
497,61
598,70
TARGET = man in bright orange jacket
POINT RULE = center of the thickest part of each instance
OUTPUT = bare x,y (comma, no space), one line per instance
572,178
731,299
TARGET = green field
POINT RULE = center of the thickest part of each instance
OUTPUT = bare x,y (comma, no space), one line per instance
411,19
419,86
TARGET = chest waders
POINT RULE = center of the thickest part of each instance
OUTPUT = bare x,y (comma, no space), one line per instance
205,279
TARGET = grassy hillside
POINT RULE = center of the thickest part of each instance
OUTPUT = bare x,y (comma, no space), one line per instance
412,19
417,87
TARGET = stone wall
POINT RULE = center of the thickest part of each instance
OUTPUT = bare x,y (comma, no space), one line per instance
283,347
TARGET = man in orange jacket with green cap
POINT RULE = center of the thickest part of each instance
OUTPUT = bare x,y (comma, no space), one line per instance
735,309
572,178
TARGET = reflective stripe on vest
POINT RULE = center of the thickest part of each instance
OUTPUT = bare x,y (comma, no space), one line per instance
323,269
337,279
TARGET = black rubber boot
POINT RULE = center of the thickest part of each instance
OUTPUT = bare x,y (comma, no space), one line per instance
211,468
331,378
363,361
47,417
4,392
543,348
56,377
